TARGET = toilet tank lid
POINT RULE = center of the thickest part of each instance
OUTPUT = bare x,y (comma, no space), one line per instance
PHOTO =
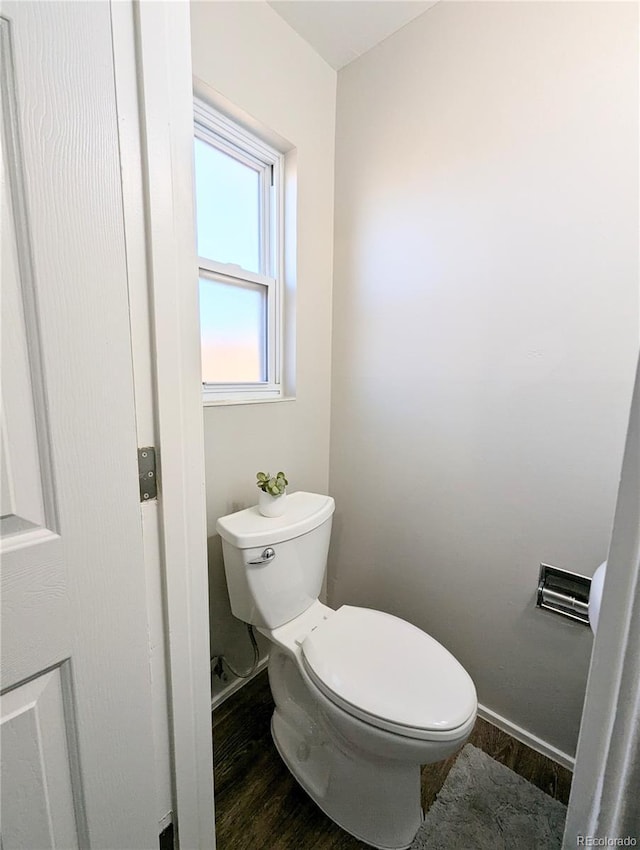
248,529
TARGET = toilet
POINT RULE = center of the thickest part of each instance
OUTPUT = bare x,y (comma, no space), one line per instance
362,698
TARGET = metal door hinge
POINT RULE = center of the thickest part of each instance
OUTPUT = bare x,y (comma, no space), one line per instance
147,473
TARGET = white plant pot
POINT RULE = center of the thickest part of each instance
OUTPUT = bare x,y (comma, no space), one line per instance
272,506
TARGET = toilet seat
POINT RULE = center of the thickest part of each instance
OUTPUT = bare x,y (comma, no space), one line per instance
389,674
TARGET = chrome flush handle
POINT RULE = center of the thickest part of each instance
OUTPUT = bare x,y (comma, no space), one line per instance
267,555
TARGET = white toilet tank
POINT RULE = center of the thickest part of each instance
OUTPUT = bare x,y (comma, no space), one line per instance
287,582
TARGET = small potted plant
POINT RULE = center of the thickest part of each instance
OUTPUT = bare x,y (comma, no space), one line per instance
272,493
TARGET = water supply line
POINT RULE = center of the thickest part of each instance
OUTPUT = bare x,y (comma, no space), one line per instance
219,662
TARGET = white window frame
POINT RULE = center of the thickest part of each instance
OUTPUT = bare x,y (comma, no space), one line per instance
216,129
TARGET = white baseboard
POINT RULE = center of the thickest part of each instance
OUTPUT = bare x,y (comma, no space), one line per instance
236,684
527,738
165,821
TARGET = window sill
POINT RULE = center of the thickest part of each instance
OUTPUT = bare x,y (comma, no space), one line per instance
226,402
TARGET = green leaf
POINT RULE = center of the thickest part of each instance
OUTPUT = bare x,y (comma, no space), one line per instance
274,485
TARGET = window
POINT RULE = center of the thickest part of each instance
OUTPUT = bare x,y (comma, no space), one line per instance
239,242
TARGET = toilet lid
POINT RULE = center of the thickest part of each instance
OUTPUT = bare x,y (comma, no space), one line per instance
389,673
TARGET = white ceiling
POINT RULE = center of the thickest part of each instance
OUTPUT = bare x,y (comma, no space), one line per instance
342,30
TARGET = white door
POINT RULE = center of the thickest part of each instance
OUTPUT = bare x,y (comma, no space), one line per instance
77,748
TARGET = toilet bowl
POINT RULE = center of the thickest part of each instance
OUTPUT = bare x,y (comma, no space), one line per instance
362,698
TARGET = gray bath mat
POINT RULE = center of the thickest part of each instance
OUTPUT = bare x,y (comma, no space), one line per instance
485,806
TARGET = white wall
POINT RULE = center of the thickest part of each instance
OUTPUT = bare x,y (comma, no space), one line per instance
247,54
485,331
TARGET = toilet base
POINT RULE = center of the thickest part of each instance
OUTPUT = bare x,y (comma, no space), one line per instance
375,799
380,810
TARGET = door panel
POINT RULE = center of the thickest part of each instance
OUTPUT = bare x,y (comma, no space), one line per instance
77,767
38,802
27,493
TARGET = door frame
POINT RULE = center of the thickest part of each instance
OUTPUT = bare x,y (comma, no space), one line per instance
606,718
152,46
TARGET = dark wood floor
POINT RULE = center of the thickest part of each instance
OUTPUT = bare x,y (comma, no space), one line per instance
260,806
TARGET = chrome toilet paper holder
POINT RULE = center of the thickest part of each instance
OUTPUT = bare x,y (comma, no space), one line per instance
564,592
